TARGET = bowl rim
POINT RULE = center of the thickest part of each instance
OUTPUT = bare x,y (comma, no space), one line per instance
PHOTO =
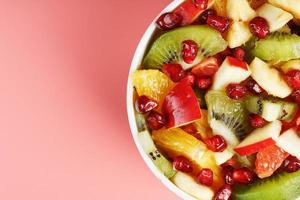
135,64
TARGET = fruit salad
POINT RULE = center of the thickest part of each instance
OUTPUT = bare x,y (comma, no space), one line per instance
217,99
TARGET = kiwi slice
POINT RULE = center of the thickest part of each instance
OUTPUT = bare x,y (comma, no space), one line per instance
276,47
167,48
271,108
227,117
283,186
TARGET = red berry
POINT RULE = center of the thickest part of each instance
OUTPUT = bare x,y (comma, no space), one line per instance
182,164
144,104
168,21
257,121
189,51
259,27
291,164
243,175
228,174
190,79
296,96
236,91
216,143
224,193
293,78
174,71
201,3
253,87
218,22
203,17
155,120
205,177
239,53
204,82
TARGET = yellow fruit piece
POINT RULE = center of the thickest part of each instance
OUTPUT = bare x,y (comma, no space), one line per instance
203,127
220,7
152,83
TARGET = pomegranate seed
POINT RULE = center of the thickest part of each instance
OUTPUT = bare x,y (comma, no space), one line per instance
224,193
203,17
192,130
291,164
239,53
228,174
243,175
259,27
216,143
182,164
218,22
236,91
257,121
174,71
296,96
189,51
201,4
253,87
168,21
204,82
155,120
144,104
190,79
293,78
205,177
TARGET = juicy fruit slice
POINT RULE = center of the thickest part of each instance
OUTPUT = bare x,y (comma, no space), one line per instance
260,138
292,6
232,70
268,160
227,117
203,127
283,186
190,186
291,65
290,142
238,34
167,48
276,17
276,47
239,10
269,78
157,158
220,7
181,106
152,83
271,108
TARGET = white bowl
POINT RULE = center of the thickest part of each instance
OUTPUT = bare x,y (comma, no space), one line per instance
138,56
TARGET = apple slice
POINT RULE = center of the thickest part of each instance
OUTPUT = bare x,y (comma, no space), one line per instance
239,10
289,141
269,79
276,17
232,70
190,11
181,106
259,139
238,34
207,67
292,6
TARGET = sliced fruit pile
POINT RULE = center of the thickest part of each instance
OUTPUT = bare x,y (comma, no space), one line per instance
217,99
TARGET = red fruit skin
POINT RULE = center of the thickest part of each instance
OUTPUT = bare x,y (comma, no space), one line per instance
257,121
224,193
259,27
155,120
296,96
217,22
204,83
293,79
181,105
189,11
205,177
182,164
239,53
243,175
237,63
253,87
144,104
236,91
169,21
189,51
201,4
174,71
216,143
256,147
190,79
207,67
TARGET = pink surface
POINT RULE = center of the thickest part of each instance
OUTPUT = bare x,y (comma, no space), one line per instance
63,129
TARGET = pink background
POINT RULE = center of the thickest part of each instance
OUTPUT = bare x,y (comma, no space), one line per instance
63,129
